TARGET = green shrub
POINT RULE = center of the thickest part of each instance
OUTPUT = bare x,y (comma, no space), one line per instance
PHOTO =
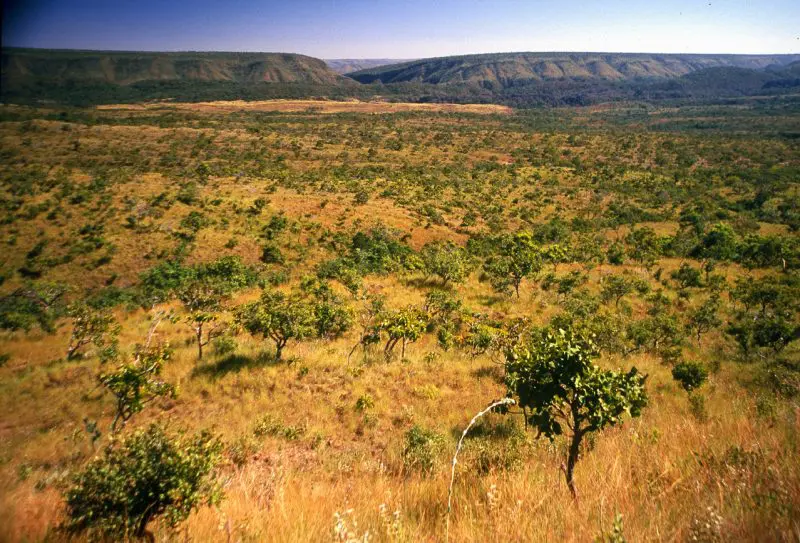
34,304
140,478
188,193
690,375
364,402
421,449
224,345
271,254
615,535
268,425
240,451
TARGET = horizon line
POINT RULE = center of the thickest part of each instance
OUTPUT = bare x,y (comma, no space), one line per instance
573,52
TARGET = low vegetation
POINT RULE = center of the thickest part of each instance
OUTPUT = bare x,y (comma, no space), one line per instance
244,324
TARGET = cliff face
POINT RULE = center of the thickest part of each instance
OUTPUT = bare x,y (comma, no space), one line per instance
507,69
123,68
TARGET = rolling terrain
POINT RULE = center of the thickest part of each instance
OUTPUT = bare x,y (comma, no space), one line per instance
509,69
127,68
514,79
670,234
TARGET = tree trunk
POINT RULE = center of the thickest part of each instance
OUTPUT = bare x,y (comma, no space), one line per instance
114,423
572,459
199,342
279,349
74,347
142,531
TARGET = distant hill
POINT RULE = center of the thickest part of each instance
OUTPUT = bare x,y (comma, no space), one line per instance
504,70
21,66
347,65
85,78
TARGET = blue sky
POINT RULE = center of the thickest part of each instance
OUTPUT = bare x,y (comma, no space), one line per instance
407,28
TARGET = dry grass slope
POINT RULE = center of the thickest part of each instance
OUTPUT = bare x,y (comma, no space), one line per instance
725,470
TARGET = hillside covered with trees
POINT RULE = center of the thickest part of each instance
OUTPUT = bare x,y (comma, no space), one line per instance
83,78
255,324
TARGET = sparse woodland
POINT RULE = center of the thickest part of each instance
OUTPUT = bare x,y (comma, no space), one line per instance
254,325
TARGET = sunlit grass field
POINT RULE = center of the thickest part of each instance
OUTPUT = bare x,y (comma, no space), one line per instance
332,467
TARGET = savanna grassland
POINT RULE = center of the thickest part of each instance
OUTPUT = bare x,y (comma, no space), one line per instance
409,256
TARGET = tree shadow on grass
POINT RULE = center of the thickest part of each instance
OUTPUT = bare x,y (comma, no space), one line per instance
427,282
493,426
234,363
490,300
493,372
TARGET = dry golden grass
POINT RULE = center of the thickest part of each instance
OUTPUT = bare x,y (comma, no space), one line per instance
309,106
657,471
647,470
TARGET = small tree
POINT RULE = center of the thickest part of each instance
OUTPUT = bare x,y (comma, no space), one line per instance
719,243
406,325
517,257
687,276
482,336
92,326
369,321
763,331
34,304
556,254
134,384
704,318
332,316
202,301
561,391
767,318
278,317
643,246
660,331
615,287
446,260
145,476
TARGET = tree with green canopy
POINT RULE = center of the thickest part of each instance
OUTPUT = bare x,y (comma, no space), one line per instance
561,391
278,317
140,478
516,257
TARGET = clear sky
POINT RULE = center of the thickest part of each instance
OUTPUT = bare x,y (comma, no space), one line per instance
406,28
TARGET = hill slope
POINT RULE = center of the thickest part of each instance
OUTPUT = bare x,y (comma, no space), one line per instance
348,65
508,69
126,68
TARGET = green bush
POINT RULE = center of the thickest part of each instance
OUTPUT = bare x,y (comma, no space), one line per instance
271,254
138,479
365,402
224,345
421,448
690,375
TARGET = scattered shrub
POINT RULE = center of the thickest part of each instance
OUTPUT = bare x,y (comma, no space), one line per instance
421,449
691,375
145,476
